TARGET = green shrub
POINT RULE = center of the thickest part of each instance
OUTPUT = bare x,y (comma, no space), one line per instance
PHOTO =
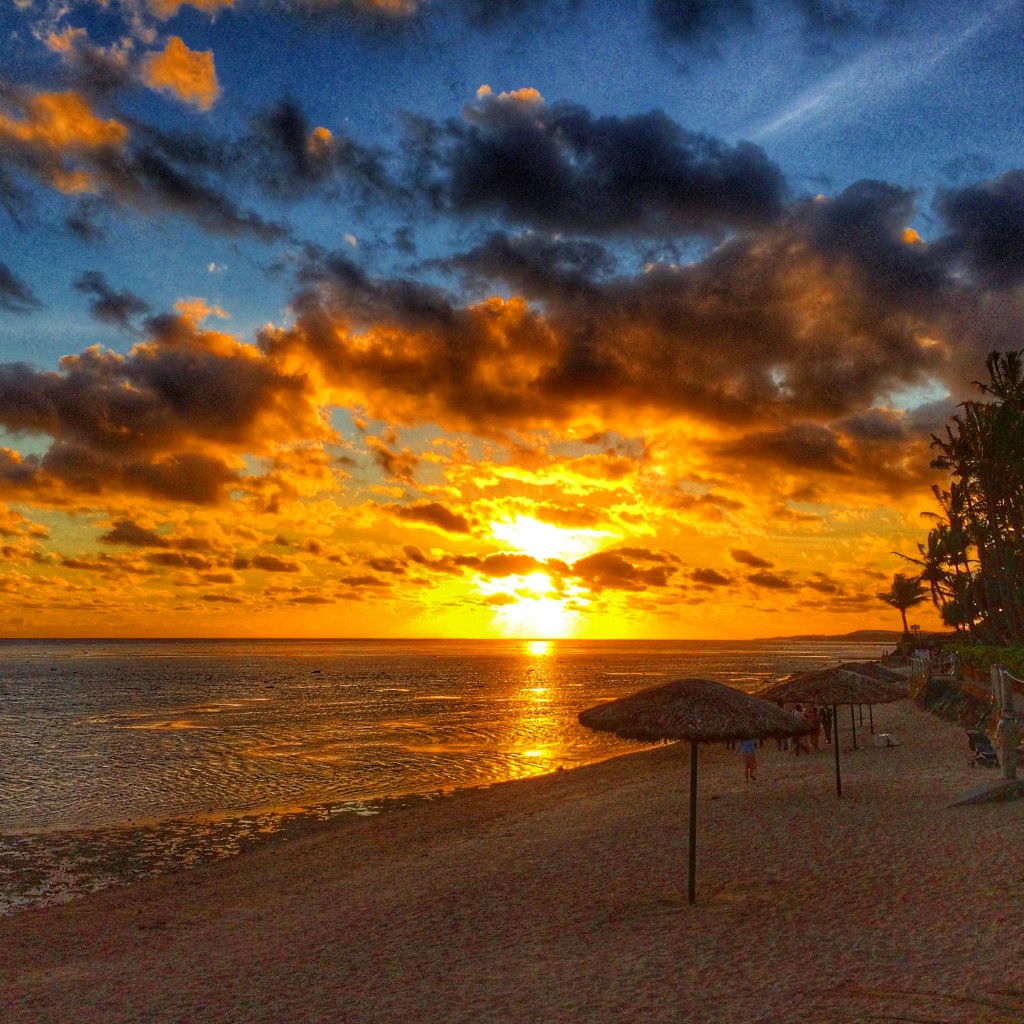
983,658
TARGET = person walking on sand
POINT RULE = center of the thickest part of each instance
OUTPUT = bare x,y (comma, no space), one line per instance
814,721
825,714
798,741
748,751
782,741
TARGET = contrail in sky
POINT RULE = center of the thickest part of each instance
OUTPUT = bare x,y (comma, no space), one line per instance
882,71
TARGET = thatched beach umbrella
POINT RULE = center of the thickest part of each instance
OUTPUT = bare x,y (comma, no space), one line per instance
835,686
697,710
874,671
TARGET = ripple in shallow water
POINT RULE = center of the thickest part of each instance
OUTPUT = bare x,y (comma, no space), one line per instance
118,756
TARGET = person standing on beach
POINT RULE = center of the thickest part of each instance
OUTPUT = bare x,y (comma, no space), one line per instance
798,741
825,714
815,722
748,751
782,741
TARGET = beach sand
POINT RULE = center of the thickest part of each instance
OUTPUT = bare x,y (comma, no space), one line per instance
563,898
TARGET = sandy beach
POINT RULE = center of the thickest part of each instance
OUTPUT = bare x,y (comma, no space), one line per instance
562,898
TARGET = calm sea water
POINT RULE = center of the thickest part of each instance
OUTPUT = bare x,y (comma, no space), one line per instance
121,759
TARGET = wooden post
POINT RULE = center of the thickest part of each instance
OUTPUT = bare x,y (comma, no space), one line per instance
835,744
1007,722
853,727
692,878
871,720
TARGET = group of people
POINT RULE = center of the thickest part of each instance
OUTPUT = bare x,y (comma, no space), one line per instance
819,718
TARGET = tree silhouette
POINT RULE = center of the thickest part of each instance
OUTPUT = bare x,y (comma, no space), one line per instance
973,561
905,592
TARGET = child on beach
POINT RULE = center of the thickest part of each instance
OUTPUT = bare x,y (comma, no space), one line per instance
748,751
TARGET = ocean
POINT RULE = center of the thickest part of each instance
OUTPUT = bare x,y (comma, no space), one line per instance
122,759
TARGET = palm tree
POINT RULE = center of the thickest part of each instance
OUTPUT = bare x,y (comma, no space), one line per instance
905,592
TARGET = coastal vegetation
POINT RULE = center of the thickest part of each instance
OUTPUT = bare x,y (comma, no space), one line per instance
972,561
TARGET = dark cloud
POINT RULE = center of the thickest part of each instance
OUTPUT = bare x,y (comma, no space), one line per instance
443,563
610,570
800,446
109,306
289,156
745,557
282,154
537,264
396,465
188,477
93,70
710,578
178,560
986,229
816,317
705,21
15,295
126,532
433,513
82,221
692,20
873,453
147,180
501,564
64,144
163,420
646,555
822,583
558,167
58,140
770,580
271,563
862,229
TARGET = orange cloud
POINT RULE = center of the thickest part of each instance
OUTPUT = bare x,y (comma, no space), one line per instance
164,9
54,129
188,74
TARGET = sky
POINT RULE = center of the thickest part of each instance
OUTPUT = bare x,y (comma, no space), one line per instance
492,318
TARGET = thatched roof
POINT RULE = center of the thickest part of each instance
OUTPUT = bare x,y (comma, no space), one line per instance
874,670
692,709
834,686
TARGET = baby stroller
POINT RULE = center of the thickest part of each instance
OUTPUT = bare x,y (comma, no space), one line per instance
982,751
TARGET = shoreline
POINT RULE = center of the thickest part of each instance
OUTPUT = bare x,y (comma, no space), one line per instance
50,867
562,897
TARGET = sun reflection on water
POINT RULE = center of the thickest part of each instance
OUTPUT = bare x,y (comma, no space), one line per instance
538,648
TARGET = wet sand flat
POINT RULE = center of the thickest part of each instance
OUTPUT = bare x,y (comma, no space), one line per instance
562,898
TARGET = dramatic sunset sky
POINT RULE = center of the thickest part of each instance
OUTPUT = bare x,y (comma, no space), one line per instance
471,318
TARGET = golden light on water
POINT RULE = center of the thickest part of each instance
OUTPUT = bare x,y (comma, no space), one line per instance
538,649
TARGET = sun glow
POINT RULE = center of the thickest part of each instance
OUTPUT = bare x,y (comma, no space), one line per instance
542,540
536,617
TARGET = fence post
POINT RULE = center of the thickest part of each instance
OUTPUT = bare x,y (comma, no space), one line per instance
1007,728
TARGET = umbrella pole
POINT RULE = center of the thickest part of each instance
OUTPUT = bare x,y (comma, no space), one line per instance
692,876
860,713
853,726
835,744
871,720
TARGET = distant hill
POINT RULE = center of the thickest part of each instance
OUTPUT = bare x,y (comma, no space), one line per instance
867,636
